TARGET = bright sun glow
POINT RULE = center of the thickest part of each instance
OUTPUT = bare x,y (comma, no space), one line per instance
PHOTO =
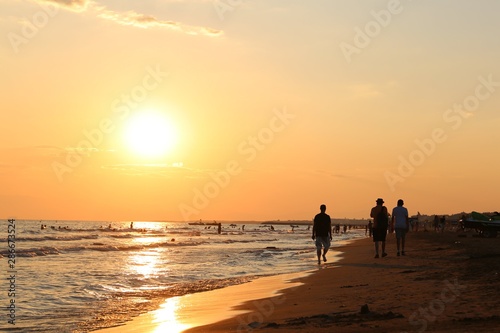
167,317
150,134
144,263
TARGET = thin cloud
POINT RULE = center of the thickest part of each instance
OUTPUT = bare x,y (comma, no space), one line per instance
73,5
31,157
364,91
148,21
162,170
131,18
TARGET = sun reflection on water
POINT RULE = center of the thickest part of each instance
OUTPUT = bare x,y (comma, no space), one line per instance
144,263
144,225
167,317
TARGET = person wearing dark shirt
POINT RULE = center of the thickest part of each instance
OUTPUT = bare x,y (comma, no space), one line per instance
322,232
380,223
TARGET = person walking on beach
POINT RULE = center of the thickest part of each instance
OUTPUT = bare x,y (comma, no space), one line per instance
435,223
380,224
322,232
442,223
400,222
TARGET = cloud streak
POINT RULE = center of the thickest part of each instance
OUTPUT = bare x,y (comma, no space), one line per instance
73,5
130,18
161,170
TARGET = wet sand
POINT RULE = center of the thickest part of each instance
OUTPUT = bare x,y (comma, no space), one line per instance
179,313
446,283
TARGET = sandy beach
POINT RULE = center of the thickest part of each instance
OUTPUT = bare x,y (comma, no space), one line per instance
446,282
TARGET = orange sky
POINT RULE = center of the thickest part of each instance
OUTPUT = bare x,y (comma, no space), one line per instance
266,110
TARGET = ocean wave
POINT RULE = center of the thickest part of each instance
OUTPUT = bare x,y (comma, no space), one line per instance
56,238
109,311
97,246
231,241
33,252
171,243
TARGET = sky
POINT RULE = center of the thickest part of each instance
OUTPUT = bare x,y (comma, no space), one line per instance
247,109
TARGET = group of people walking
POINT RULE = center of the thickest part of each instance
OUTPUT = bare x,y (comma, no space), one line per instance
322,228
400,222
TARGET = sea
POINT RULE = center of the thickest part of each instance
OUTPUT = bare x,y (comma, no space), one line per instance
81,276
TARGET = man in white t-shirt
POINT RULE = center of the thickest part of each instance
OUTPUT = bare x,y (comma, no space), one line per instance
400,223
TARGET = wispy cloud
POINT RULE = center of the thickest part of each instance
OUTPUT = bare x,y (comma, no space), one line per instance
174,170
23,158
130,18
364,91
147,21
74,5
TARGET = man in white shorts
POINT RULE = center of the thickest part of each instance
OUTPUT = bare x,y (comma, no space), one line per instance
322,232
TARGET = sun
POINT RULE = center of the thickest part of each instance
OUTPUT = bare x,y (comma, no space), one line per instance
150,134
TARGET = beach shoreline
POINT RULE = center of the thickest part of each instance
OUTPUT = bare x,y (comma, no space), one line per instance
446,282
104,277
179,313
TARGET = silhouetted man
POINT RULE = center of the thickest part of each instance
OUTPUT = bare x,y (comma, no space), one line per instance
322,232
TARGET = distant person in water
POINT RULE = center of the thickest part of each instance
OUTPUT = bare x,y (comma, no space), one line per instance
322,233
401,224
380,223
131,225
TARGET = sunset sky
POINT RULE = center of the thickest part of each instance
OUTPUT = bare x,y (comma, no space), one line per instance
247,110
